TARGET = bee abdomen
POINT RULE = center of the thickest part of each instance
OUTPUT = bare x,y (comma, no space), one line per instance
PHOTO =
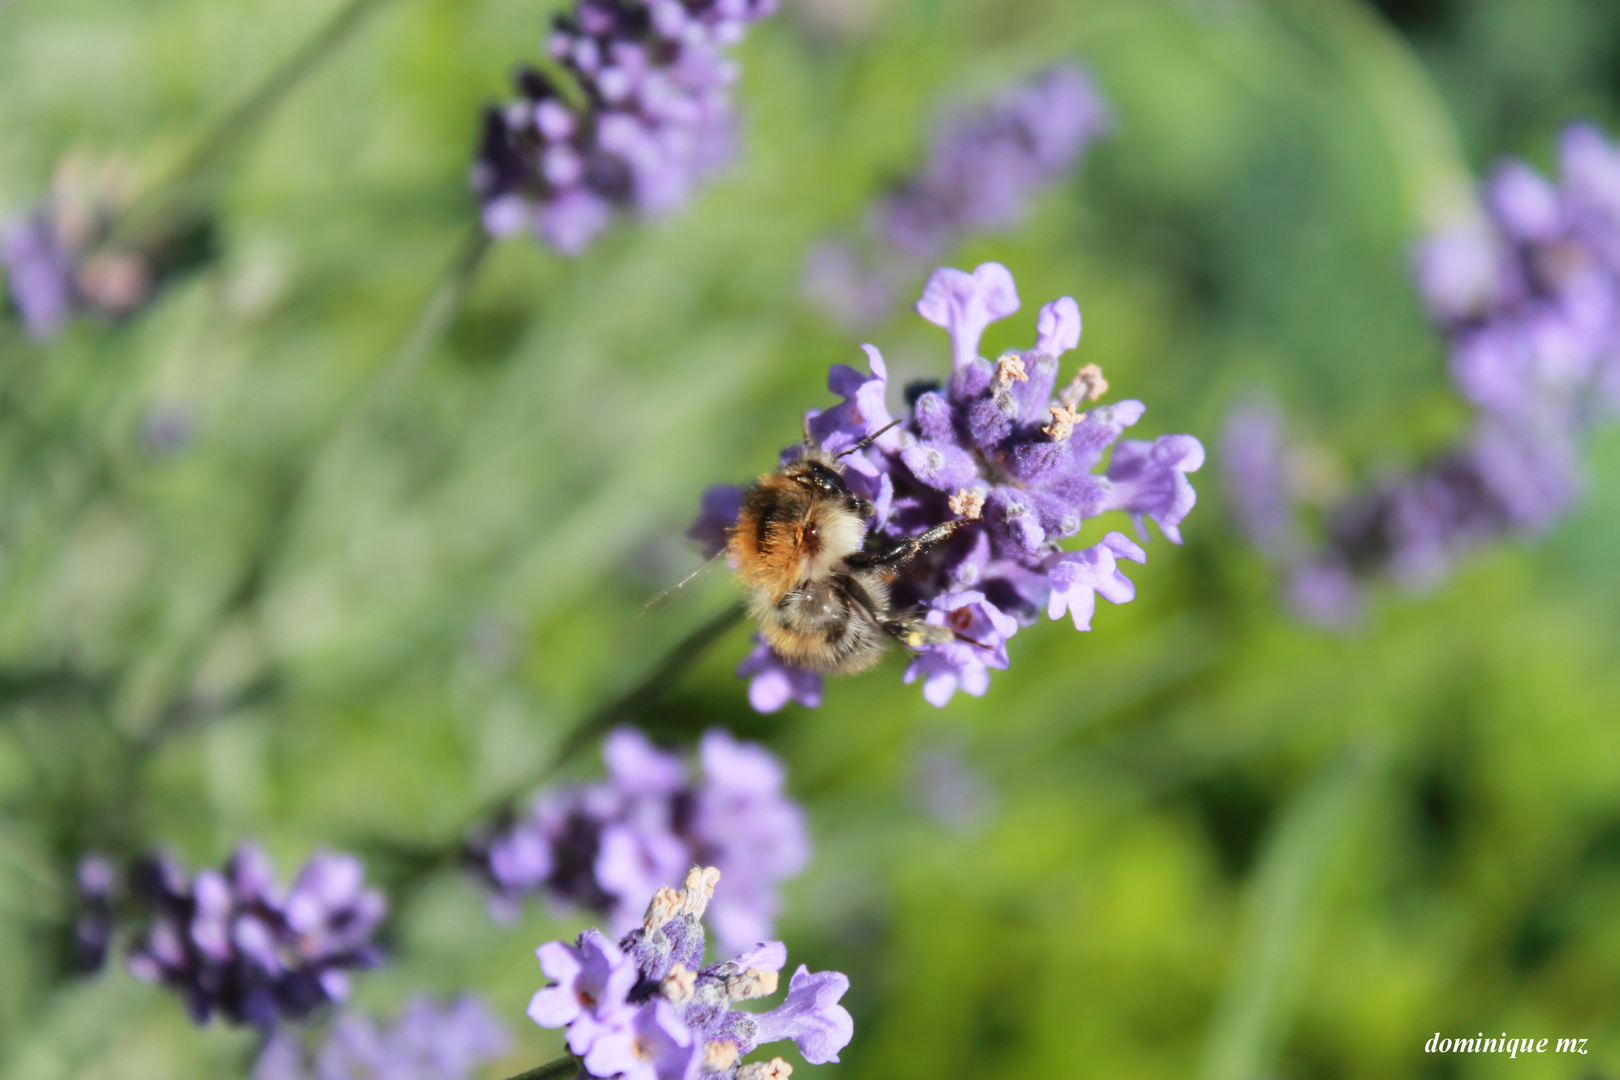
818,627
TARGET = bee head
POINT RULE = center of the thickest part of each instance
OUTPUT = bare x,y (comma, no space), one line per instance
821,478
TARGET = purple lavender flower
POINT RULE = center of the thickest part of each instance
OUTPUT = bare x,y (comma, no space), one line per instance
594,980
1001,444
656,118
57,259
1529,302
93,928
950,789
772,682
599,846
985,167
680,1019
428,1041
965,663
1255,461
230,943
41,274
1541,330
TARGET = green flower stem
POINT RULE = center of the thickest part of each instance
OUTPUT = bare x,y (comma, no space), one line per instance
189,180
437,314
414,864
647,689
1436,181
564,1068
1293,883
289,497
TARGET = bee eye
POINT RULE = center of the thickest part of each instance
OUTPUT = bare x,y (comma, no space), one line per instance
820,478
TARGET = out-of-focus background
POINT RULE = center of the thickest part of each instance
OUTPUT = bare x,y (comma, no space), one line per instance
1201,841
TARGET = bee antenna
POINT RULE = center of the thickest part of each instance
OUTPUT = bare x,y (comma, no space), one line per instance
673,589
870,439
976,644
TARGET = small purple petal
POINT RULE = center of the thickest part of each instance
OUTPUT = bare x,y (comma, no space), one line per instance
1079,577
811,1016
638,766
1150,479
964,304
1057,328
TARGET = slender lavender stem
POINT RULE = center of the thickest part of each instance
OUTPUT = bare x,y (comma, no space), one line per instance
417,863
436,316
647,689
231,130
564,1068
290,496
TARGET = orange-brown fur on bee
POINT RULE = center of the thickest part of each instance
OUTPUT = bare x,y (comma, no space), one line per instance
819,598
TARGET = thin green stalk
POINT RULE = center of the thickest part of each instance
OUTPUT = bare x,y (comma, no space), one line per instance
648,689
416,864
1423,141
564,1068
231,130
1286,895
291,496
437,314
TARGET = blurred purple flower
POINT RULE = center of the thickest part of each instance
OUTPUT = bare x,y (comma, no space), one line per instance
599,846
58,259
985,167
1256,468
772,682
93,927
41,274
428,1041
1529,302
721,504
950,788
680,1019
230,943
656,118
1002,444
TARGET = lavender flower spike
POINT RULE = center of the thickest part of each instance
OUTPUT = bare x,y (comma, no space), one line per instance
231,944
1015,460
681,1021
985,167
598,846
428,1041
58,258
41,275
1529,304
656,118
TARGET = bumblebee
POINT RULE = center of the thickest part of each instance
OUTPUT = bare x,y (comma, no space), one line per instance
818,593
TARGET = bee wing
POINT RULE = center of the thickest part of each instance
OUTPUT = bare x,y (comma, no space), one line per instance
681,584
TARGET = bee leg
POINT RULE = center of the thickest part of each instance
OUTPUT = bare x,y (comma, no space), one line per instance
915,633
903,551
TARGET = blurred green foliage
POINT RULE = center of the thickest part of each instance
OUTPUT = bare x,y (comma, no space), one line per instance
1215,843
